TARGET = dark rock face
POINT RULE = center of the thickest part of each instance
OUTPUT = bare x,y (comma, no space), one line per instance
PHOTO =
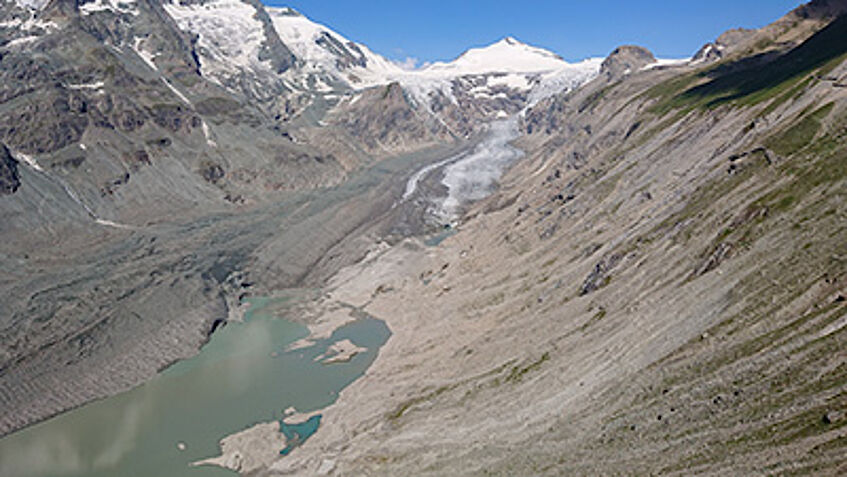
821,9
349,55
174,117
721,252
273,49
212,172
48,123
626,59
599,276
9,179
708,53
384,118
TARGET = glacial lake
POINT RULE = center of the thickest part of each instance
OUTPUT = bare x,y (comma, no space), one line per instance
243,376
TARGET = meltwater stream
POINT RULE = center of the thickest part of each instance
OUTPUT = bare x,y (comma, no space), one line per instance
242,377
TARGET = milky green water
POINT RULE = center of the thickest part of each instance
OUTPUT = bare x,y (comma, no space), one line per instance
243,376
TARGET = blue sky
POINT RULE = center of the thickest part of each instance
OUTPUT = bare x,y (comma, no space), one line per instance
430,30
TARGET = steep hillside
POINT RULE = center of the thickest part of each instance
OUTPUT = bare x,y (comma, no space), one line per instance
657,288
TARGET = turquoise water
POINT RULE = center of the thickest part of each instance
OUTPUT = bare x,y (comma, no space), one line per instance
436,239
296,434
243,376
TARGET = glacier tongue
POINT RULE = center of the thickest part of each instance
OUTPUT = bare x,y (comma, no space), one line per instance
474,176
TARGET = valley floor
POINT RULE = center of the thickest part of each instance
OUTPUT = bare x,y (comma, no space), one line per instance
119,275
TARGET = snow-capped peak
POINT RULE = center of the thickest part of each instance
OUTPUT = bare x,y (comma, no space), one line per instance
323,51
508,55
309,41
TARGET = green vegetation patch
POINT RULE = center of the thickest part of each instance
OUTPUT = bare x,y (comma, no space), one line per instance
800,134
755,79
517,373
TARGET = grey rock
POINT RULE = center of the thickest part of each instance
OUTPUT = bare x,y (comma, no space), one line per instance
600,275
721,252
273,49
9,179
708,53
624,60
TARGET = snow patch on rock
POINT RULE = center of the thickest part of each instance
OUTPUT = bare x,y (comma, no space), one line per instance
32,4
145,55
116,6
229,37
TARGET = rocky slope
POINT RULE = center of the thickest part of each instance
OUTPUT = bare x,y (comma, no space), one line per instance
657,288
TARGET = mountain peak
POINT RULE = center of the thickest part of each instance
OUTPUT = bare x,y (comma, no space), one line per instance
625,59
510,40
508,55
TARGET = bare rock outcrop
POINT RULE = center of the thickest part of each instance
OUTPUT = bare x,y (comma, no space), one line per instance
624,60
9,179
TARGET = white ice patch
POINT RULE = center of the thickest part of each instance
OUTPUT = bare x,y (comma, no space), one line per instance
664,62
564,79
32,4
32,29
474,176
710,49
513,81
22,41
145,55
319,50
321,85
176,91
208,133
109,223
13,23
28,160
117,6
95,86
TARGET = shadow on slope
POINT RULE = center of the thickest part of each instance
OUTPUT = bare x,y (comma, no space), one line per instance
756,78
753,79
